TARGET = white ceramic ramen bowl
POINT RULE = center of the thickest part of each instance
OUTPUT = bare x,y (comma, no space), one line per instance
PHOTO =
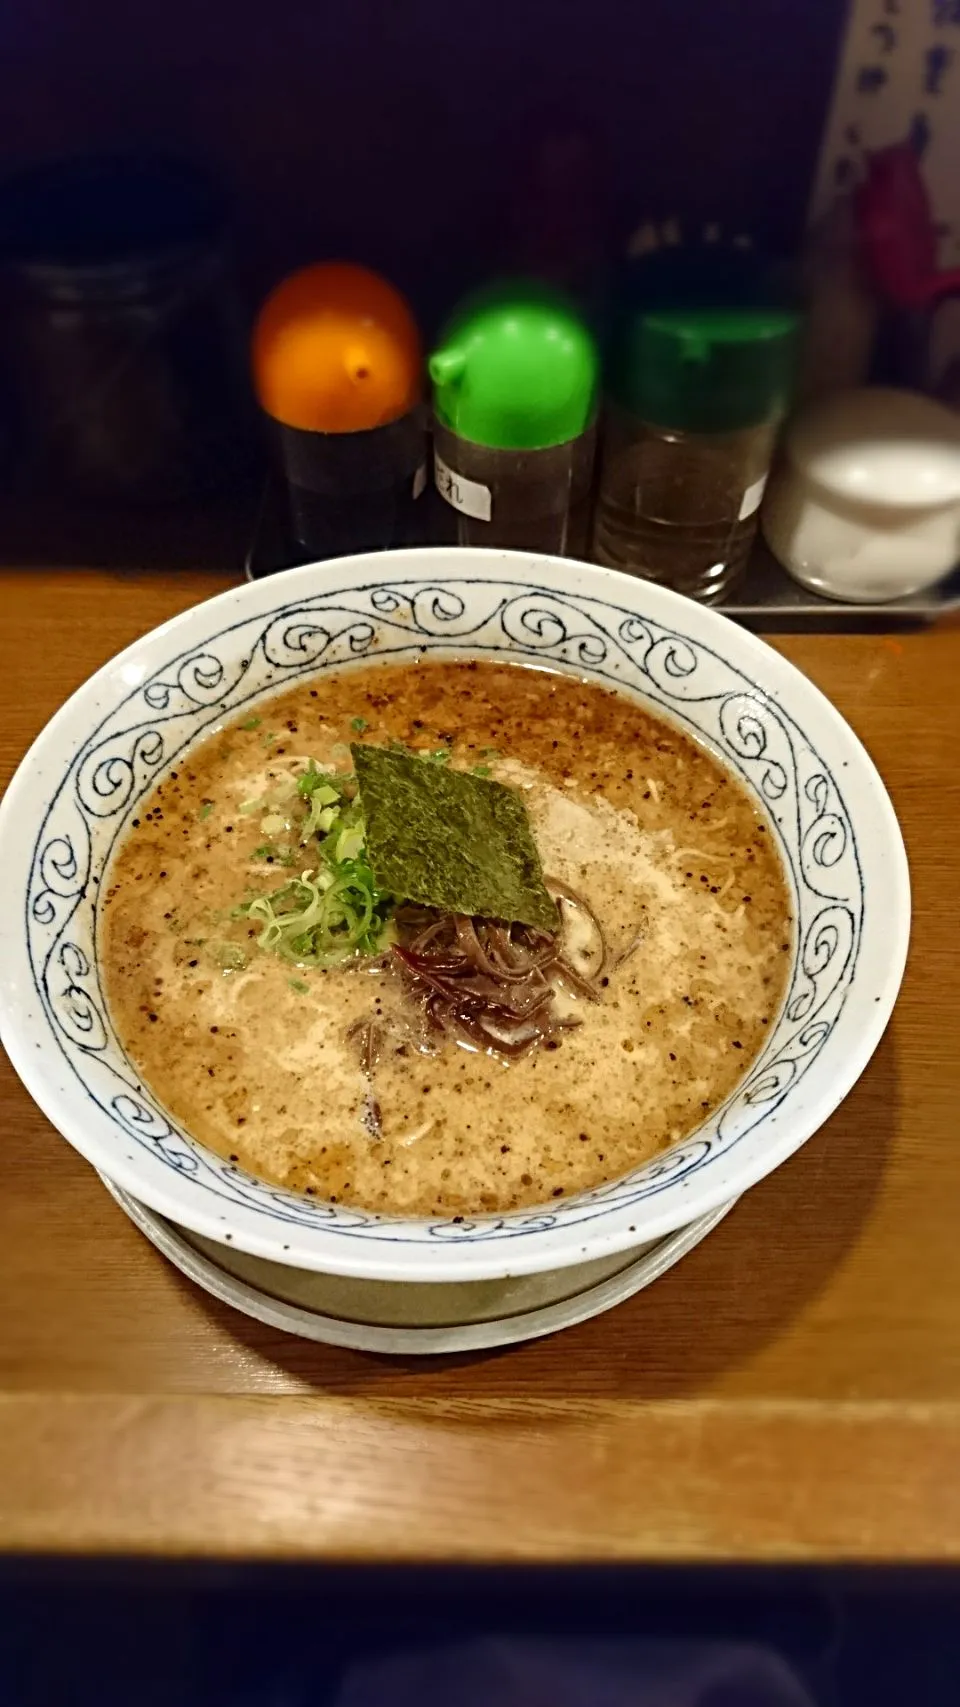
79,785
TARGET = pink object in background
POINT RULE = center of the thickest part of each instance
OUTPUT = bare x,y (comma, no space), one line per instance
898,231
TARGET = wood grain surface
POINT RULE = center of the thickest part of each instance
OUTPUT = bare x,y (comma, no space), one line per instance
790,1391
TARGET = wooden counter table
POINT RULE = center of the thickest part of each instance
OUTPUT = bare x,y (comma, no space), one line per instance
790,1392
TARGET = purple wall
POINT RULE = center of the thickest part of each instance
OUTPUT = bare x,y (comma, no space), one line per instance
388,127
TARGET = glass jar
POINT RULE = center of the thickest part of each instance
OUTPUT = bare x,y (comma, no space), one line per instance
697,397
680,508
121,328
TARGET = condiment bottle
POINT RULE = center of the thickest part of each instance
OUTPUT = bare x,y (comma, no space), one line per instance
121,329
515,382
337,367
865,503
696,397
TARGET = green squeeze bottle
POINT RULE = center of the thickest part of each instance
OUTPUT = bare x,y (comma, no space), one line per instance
515,380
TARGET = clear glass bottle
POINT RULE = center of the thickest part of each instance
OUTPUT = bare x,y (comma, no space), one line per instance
680,508
522,500
687,444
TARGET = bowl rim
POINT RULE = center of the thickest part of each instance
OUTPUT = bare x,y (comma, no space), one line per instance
682,1200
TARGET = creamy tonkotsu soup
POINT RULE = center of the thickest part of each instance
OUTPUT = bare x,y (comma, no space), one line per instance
383,1052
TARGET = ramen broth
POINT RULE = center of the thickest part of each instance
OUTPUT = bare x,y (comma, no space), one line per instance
258,1058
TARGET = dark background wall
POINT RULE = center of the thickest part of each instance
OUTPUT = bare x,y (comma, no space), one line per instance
392,128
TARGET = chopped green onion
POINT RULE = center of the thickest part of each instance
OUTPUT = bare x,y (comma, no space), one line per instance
321,776
349,843
481,770
358,725
324,810
329,914
205,810
298,984
251,723
322,919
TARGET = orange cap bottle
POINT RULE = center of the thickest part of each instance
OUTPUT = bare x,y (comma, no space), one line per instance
336,350
337,368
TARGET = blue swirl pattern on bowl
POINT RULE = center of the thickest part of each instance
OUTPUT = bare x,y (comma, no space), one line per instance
693,684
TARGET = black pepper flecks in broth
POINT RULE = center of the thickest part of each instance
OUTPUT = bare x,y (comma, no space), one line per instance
310,1053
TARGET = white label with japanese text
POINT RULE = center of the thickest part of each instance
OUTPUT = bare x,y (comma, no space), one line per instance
467,496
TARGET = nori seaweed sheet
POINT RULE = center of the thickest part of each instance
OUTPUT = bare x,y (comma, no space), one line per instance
450,840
